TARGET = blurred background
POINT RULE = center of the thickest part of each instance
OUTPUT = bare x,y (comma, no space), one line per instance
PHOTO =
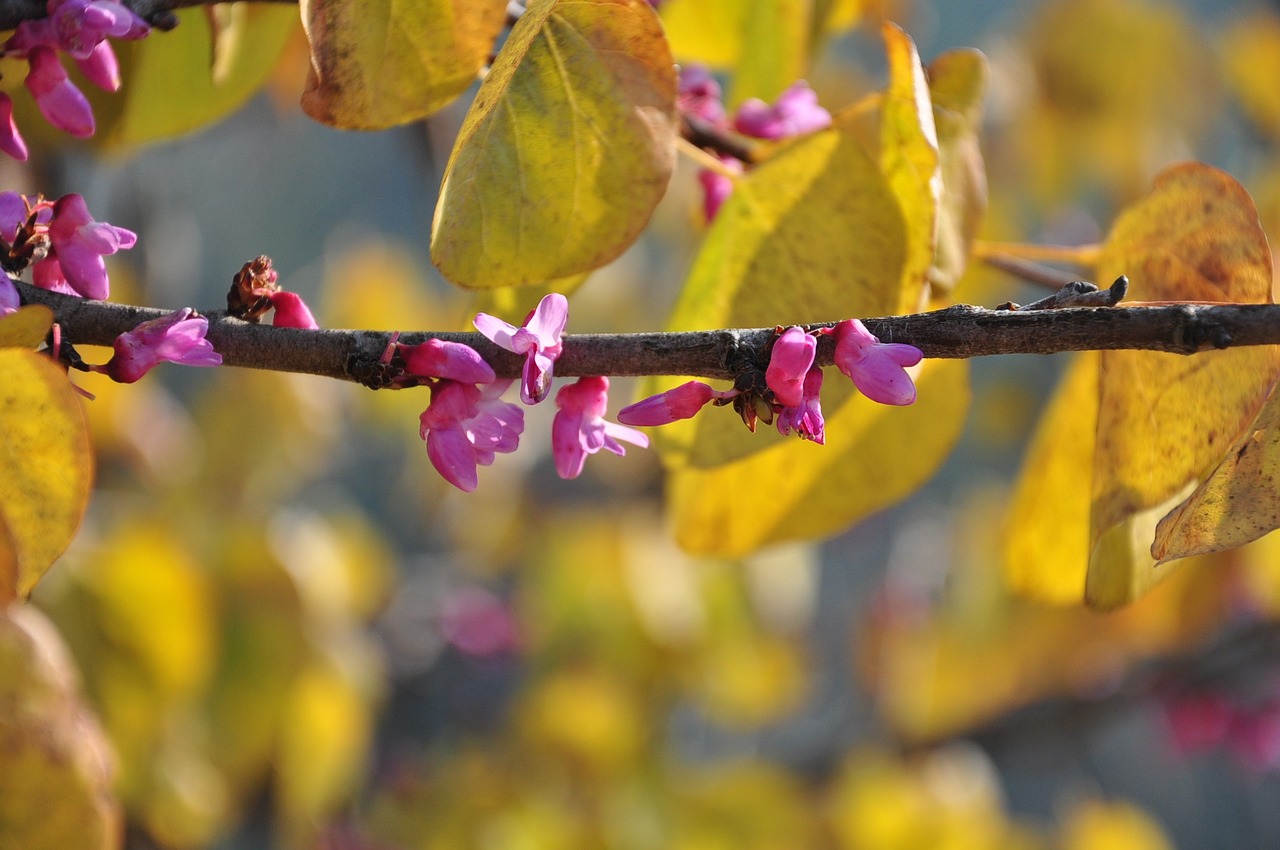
296,635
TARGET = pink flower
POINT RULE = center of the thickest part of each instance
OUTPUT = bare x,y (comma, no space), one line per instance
291,311
80,243
11,141
683,402
101,68
580,429
478,623
875,367
61,103
699,95
789,363
538,340
796,111
176,338
465,425
453,361
805,418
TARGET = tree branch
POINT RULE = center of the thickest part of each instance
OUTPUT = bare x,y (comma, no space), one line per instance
955,332
158,13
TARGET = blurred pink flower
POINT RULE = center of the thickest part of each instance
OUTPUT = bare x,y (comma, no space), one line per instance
478,623
805,418
789,363
465,425
538,339
796,111
682,402
876,368
176,338
699,95
291,311
580,429
1198,721
453,361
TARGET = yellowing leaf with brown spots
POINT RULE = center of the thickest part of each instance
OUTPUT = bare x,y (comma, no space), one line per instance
45,461
378,63
1235,505
566,150
1162,421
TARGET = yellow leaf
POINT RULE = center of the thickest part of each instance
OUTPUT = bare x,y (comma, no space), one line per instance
783,250
1237,503
1046,552
579,104
45,462
796,490
1251,52
1095,825
382,63
56,773
957,84
1160,422
325,736
910,161
201,71
27,327
765,43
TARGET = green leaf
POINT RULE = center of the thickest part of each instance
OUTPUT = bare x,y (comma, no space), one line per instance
565,152
27,327
46,465
379,63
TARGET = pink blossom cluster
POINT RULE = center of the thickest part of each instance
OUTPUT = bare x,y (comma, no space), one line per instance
65,247
795,112
71,243
877,369
467,424
79,28
1205,720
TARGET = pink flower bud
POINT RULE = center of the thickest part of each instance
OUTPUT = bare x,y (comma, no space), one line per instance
683,402
453,361
291,311
789,363
62,104
805,418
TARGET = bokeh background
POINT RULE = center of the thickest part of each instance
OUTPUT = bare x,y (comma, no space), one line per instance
296,635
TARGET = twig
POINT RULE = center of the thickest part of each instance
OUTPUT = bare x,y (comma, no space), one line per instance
956,332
